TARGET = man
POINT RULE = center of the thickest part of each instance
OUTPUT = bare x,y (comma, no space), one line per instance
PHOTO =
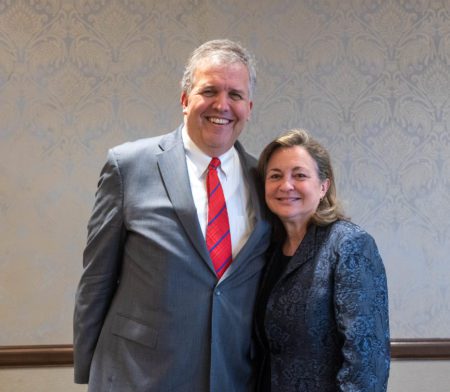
157,309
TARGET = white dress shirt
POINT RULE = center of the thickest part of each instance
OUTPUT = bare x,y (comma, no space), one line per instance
235,190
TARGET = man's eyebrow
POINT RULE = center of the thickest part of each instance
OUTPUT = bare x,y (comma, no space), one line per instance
243,93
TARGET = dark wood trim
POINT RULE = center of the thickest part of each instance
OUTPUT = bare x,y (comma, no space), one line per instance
420,348
35,356
62,354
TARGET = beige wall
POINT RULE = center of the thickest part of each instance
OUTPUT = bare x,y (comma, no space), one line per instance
371,79
57,379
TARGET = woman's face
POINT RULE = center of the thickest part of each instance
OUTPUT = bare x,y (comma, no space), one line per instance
292,186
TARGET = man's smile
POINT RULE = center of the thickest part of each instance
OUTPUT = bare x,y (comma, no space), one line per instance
218,120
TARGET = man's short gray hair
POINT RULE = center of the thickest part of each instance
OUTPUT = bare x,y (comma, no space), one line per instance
223,51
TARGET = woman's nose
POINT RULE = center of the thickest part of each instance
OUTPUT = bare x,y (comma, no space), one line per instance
286,185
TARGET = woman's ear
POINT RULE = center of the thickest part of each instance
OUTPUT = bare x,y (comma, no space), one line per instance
325,185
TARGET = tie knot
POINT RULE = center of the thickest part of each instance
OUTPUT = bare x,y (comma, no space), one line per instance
215,163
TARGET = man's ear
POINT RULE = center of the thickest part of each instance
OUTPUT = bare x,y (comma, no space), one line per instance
184,101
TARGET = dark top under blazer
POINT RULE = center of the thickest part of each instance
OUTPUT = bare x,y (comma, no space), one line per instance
322,321
150,314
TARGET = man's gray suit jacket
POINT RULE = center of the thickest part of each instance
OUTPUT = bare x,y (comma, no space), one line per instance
150,314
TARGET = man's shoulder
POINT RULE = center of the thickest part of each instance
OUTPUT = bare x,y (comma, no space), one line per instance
143,147
136,146
250,161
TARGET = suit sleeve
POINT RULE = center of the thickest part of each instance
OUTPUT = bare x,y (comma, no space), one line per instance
101,261
361,308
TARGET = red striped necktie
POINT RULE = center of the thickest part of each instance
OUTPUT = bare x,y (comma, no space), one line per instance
218,239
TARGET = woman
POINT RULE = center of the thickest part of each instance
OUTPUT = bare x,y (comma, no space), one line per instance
322,315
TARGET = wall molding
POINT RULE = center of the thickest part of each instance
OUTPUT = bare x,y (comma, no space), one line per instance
62,354
36,356
420,349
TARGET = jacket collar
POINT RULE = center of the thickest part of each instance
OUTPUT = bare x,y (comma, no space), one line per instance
309,247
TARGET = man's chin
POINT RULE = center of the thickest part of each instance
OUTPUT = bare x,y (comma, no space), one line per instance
216,149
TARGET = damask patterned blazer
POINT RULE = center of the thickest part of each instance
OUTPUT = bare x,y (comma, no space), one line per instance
150,314
322,319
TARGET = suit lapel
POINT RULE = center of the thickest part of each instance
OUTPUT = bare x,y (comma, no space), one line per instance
173,169
172,165
262,226
309,248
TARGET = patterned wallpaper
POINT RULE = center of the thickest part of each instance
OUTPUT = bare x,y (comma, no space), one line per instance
370,78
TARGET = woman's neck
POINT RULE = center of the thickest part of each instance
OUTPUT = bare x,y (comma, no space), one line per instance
294,237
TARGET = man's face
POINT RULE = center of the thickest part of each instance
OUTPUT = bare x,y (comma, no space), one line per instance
218,106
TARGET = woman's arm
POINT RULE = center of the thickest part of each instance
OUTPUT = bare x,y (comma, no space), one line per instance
361,310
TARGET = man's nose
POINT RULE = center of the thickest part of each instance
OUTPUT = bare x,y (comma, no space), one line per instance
221,102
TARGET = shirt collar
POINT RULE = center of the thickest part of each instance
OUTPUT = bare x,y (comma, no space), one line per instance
201,161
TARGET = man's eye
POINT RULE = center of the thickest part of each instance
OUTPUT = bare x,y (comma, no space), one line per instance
208,93
235,96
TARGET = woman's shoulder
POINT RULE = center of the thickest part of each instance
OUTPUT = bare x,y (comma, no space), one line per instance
346,233
345,228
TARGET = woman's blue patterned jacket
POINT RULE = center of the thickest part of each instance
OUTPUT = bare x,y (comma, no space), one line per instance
323,319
